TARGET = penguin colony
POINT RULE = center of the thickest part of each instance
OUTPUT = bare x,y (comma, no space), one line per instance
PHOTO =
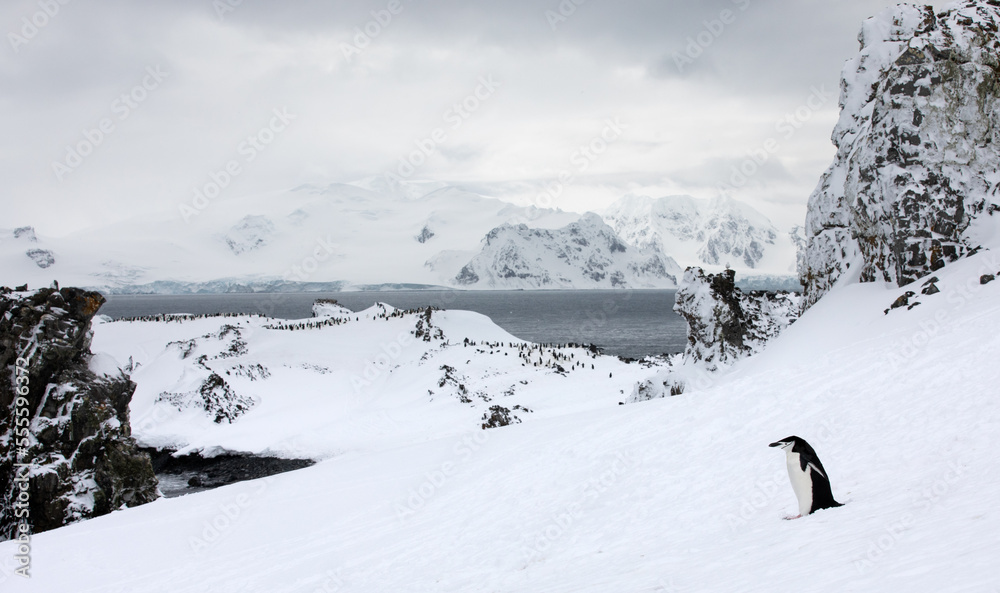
561,357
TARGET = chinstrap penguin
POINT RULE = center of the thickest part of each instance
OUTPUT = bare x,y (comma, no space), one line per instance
809,479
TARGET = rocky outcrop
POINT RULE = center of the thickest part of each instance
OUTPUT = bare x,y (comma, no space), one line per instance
426,234
499,416
43,258
66,453
726,324
27,233
917,148
211,393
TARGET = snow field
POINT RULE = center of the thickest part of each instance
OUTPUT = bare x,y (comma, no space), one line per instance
678,494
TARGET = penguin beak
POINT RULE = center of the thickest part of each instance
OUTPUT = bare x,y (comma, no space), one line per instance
778,444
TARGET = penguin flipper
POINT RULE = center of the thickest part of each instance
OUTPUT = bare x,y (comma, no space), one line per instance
817,469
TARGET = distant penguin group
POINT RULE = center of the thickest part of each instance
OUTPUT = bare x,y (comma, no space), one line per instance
809,479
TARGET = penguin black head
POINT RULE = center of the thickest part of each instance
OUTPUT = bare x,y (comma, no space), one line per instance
793,443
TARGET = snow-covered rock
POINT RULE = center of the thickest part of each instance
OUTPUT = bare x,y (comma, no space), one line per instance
26,233
43,258
699,232
725,324
583,254
79,458
914,183
330,308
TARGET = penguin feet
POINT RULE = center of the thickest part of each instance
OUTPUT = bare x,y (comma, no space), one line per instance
789,517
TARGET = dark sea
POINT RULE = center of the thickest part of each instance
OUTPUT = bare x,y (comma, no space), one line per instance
630,323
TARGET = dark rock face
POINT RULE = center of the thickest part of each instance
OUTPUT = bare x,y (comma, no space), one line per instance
43,258
726,324
499,416
917,143
65,428
27,233
426,234
215,396
192,473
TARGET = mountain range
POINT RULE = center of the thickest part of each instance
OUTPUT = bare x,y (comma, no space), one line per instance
414,234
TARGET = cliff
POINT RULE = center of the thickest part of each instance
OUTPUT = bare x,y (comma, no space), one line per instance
66,450
915,179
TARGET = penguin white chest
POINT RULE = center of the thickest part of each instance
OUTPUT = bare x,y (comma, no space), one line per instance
801,482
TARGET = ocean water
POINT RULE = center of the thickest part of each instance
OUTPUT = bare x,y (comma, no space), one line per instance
632,323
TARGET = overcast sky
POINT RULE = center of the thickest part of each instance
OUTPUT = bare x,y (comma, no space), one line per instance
613,97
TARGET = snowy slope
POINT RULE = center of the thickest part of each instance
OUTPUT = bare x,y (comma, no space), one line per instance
707,233
337,233
349,382
583,254
678,494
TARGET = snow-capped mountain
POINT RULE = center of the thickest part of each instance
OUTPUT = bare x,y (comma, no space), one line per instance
713,233
378,232
334,236
914,183
583,254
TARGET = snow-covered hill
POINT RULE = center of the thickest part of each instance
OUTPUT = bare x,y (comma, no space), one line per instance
352,380
583,254
676,494
707,233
